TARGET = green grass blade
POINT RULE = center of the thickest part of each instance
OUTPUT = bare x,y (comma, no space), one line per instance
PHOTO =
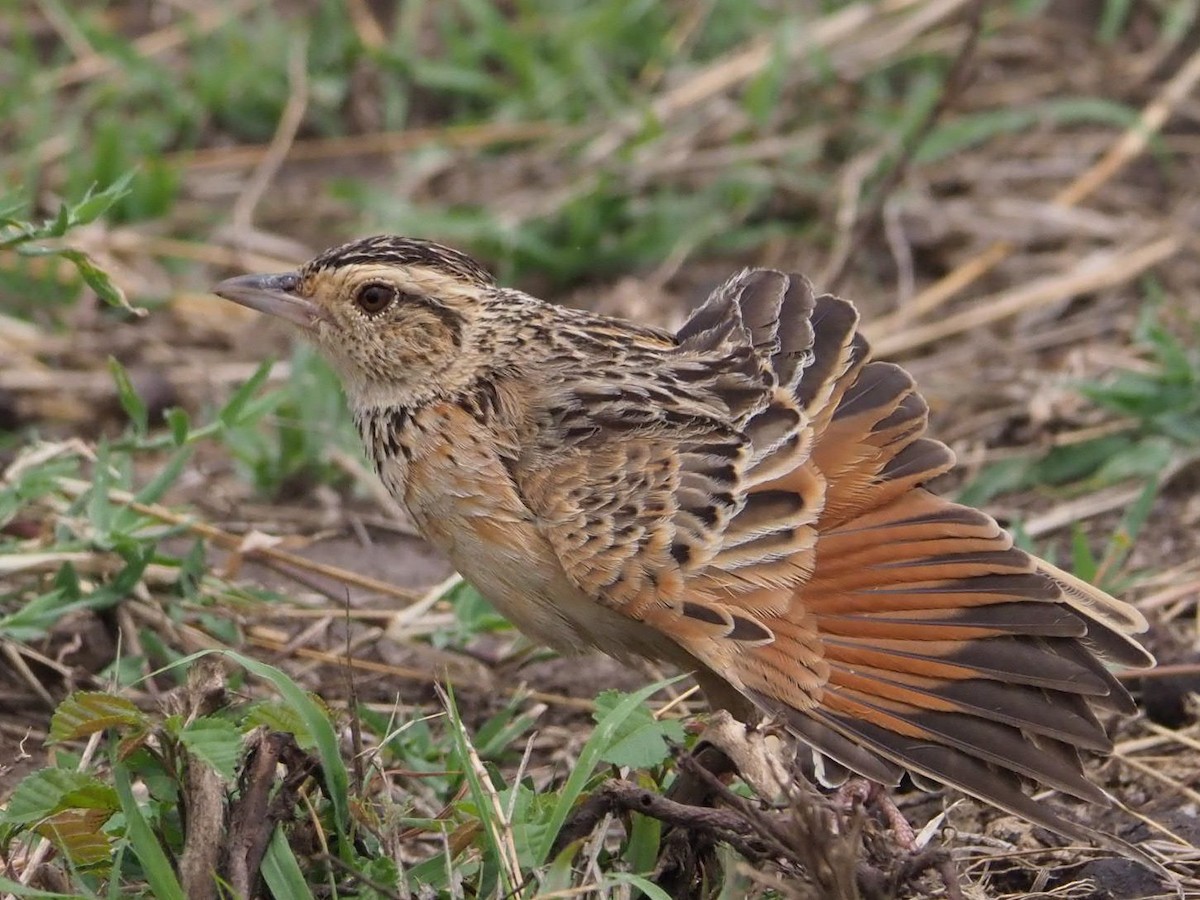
645,885
281,871
590,757
480,796
23,890
154,861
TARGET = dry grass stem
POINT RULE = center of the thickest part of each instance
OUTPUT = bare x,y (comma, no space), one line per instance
1102,270
1126,148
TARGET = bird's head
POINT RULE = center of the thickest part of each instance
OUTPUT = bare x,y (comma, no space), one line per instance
398,318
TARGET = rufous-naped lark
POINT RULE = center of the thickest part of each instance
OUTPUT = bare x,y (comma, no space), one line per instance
744,499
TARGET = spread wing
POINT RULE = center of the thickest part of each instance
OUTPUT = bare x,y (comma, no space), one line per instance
756,496
646,486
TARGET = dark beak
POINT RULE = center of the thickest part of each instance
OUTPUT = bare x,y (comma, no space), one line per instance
272,294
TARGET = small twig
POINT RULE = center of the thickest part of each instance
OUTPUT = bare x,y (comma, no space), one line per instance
15,654
676,701
70,33
384,890
956,81
1175,670
458,137
1124,150
366,26
209,18
422,676
1104,270
621,796
264,802
1169,595
821,36
285,133
279,560
356,740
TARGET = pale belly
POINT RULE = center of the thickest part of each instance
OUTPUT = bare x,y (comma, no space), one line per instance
515,569
464,504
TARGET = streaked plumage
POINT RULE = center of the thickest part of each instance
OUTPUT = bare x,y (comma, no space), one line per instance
743,498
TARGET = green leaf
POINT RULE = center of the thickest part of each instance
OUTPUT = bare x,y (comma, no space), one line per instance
93,205
142,840
998,478
96,203
559,875
231,414
22,890
50,791
531,821
481,795
969,130
1083,561
179,423
1145,459
131,402
1068,463
645,885
281,871
167,476
279,716
641,740
86,712
215,741
1113,18
591,756
98,280
79,833
645,838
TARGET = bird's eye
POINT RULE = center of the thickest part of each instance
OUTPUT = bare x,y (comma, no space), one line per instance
374,298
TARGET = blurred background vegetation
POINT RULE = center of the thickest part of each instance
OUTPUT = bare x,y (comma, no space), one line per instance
1006,189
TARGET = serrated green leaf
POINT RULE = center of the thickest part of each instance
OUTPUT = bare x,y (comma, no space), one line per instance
381,870
215,741
317,720
279,716
86,712
641,740
79,834
50,791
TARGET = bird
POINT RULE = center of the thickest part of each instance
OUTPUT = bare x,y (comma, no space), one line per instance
745,498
